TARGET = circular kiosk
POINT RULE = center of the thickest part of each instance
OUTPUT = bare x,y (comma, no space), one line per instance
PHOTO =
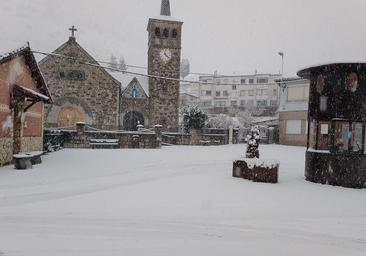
336,150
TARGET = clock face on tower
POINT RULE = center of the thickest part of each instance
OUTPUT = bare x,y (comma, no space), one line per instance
165,55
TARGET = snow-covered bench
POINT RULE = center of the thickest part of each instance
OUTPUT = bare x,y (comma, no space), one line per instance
104,143
24,161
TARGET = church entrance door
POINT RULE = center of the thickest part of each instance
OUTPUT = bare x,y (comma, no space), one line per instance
132,119
69,116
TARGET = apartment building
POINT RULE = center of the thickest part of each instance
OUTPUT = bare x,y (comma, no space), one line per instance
220,93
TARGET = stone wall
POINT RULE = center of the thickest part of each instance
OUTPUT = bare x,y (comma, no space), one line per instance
201,137
29,144
81,138
6,151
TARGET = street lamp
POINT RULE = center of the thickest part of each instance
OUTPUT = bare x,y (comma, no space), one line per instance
282,56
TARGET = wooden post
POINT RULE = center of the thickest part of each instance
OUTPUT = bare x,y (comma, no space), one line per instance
17,127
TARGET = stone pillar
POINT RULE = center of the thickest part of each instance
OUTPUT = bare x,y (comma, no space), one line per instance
270,135
158,128
230,135
140,127
196,136
236,136
80,128
17,127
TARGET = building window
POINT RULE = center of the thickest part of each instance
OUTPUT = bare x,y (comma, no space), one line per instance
251,81
324,135
62,75
206,93
251,93
259,92
134,92
73,75
166,32
262,80
242,81
233,103
264,91
250,103
233,87
218,93
157,32
261,103
293,127
207,104
225,93
298,93
242,103
273,103
242,93
220,104
356,141
174,33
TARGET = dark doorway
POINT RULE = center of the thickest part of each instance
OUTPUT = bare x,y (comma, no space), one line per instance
132,119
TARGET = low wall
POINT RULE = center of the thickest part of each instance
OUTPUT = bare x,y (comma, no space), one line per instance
76,139
29,144
6,151
81,138
201,137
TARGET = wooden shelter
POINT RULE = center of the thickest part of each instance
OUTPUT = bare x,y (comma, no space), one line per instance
23,93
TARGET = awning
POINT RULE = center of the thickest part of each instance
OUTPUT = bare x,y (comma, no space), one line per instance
34,96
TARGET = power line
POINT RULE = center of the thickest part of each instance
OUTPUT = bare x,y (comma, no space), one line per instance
129,72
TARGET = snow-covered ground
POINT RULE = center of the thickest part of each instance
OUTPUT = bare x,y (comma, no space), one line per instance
174,201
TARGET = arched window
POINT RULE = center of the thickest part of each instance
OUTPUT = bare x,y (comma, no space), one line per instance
157,31
166,33
134,92
174,33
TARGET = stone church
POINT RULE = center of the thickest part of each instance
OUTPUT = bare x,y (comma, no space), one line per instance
81,93
104,100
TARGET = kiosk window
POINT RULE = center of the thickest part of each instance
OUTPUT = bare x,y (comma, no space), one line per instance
323,135
312,135
341,136
356,137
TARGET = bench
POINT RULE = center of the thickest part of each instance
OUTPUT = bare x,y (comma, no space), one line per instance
25,161
104,143
205,142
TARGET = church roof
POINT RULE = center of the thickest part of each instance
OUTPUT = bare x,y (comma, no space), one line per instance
165,14
126,79
72,40
165,8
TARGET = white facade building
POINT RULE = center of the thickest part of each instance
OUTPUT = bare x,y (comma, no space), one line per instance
293,111
258,91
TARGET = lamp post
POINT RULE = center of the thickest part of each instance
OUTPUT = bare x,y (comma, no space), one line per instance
282,56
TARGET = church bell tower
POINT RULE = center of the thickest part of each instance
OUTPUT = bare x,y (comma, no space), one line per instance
164,56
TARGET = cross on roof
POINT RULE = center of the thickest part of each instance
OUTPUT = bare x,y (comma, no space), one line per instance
73,29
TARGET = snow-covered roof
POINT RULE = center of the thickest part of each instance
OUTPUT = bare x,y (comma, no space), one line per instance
125,80
304,72
36,74
166,18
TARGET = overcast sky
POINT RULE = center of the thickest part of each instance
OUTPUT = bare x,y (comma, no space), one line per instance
230,36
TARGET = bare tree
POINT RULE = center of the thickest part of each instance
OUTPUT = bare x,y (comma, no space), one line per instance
184,68
113,62
122,64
